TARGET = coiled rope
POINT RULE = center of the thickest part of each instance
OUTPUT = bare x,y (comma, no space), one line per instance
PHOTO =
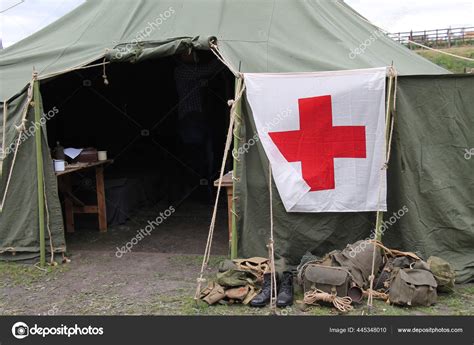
343,304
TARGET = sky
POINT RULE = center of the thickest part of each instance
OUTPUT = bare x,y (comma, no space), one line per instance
21,18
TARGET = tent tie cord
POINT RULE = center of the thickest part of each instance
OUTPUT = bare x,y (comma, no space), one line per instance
234,213
7,249
236,179
104,73
238,120
21,127
235,135
207,253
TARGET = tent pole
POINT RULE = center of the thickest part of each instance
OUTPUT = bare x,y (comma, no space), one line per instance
390,96
39,170
236,130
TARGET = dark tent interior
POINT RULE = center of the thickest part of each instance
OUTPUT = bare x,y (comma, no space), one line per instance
138,116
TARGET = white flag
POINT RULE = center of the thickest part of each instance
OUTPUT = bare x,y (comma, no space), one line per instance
324,134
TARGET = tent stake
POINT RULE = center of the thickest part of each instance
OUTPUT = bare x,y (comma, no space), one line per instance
39,170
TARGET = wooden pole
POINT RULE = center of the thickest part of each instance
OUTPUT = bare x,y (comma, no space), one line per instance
379,219
39,171
236,132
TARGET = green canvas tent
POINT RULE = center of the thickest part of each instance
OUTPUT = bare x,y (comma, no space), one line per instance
434,117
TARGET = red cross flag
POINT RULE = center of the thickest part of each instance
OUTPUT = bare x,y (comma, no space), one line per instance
324,134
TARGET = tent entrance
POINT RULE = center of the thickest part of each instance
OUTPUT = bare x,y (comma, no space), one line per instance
166,154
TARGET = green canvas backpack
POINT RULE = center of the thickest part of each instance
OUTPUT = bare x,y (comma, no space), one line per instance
357,259
333,280
412,287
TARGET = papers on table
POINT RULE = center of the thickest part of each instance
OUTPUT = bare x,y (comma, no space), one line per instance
72,152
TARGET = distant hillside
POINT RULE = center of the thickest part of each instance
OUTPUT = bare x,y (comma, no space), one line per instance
453,64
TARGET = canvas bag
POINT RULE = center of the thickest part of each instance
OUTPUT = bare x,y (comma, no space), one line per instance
333,280
413,287
357,259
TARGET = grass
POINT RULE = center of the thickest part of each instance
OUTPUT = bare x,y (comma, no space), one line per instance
461,302
196,260
14,274
108,299
451,63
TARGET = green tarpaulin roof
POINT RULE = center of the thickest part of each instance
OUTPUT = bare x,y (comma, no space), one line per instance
261,35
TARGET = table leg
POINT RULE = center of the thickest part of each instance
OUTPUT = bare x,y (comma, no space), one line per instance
230,196
99,175
68,204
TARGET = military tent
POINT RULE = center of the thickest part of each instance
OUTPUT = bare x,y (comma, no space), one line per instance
434,117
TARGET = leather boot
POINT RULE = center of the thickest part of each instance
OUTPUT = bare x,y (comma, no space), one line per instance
263,298
285,290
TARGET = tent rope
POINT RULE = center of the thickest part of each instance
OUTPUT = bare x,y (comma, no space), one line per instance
271,247
387,147
84,65
207,253
440,51
20,129
216,51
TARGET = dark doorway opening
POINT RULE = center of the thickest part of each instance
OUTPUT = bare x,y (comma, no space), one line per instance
135,116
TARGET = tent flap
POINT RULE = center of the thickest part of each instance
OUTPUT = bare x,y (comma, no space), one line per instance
141,51
19,230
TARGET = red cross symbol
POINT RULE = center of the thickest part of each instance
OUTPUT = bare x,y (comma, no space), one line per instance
318,142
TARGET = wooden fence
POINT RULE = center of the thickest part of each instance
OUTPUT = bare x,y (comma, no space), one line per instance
437,38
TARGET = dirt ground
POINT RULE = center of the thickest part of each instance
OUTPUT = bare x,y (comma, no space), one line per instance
158,277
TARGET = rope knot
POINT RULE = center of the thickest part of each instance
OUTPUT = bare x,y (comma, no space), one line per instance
230,102
21,127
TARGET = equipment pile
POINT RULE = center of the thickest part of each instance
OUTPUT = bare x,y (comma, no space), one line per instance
238,281
401,278
340,278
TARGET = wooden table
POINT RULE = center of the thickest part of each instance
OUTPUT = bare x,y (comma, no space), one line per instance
229,186
72,204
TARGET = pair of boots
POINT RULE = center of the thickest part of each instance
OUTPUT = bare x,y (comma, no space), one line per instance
285,291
